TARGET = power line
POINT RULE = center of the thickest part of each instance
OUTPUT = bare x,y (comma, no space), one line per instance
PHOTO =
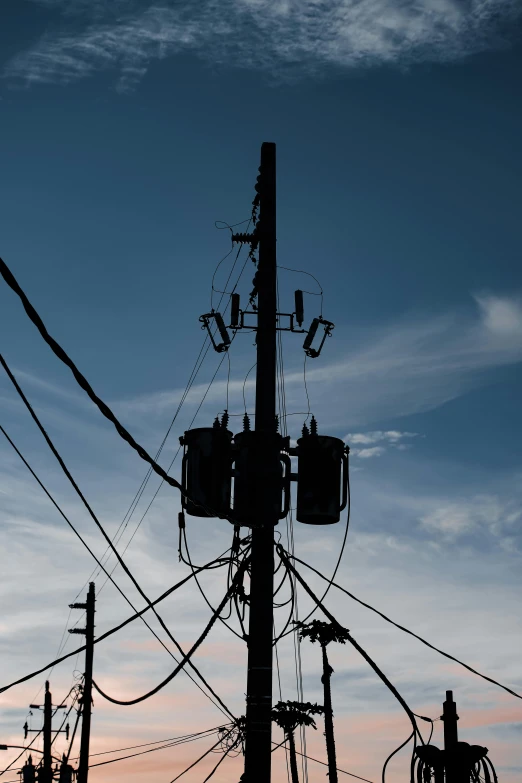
282,554
202,756
104,635
311,758
186,658
100,527
406,630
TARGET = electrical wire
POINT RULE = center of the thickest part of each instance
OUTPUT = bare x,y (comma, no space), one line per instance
173,744
325,764
392,754
352,641
186,657
294,606
303,272
102,530
406,630
103,636
202,757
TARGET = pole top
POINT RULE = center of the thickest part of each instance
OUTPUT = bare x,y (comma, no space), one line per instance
47,686
449,695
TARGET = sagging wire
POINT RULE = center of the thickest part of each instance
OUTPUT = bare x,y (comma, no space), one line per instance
234,558
187,656
312,293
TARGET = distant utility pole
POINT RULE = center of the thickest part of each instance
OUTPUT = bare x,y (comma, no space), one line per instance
88,632
258,739
451,737
47,765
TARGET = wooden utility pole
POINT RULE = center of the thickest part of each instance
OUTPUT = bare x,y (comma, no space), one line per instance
258,740
88,631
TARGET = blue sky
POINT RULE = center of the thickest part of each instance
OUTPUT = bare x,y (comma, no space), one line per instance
128,129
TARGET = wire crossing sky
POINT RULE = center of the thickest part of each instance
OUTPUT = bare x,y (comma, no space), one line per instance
130,146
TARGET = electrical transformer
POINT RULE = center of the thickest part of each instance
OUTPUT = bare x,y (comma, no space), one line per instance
206,471
322,478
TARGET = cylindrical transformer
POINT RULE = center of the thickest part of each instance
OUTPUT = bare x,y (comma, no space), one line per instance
206,472
28,772
321,479
253,480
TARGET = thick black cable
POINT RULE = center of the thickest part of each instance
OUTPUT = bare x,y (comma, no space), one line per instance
392,754
360,650
80,379
102,530
406,630
223,708
330,580
221,760
223,620
101,637
186,658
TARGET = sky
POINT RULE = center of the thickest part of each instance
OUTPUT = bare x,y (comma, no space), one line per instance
130,129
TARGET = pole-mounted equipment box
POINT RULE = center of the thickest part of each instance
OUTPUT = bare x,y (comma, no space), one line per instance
322,479
206,472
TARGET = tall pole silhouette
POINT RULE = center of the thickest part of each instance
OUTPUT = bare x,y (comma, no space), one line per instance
88,631
47,735
259,678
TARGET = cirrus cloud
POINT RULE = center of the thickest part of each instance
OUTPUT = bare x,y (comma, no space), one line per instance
286,37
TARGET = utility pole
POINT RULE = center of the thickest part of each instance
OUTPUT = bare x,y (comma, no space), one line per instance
88,632
46,770
258,739
449,717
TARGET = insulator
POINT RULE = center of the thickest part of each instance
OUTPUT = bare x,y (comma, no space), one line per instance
222,329
224,420
311,334
206,472
216,424
246,423
321,479
313,426
245,239
259,182
277,422
305,430
234,310
299,307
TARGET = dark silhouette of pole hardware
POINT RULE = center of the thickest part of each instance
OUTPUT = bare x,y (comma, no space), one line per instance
246,478
86,699
459,762
45,771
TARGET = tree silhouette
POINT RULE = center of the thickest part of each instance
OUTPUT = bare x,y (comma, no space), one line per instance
289,715
325,633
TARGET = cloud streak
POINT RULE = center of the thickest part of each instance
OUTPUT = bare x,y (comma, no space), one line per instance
285,37
408,367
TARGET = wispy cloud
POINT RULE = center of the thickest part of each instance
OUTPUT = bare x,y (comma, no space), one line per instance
282,36
408,367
